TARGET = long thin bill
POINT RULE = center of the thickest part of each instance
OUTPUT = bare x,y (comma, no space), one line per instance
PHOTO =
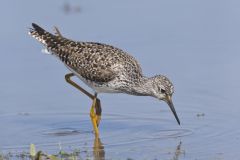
170,104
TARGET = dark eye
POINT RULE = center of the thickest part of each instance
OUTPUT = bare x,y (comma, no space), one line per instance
162,91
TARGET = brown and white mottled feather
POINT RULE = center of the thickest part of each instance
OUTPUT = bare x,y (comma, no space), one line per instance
105,68
95,62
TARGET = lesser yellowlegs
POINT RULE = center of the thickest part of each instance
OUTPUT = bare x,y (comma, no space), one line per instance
105,69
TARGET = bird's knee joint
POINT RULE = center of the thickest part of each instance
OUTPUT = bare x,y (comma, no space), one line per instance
68,76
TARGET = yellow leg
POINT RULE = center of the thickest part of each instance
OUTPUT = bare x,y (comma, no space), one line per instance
68,79
96,110
94,117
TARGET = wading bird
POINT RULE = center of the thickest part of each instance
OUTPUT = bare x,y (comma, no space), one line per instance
105,69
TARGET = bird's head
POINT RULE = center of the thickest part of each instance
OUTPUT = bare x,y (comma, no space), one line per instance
163,89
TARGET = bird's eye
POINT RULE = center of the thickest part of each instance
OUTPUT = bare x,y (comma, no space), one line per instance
162,91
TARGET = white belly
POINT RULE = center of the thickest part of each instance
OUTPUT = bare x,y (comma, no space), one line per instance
96,88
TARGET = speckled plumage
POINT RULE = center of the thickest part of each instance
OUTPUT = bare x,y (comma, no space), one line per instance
99,65
105,68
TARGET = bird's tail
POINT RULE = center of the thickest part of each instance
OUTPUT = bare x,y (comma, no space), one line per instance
42,36
56,44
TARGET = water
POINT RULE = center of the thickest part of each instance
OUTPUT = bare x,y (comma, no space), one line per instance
196,44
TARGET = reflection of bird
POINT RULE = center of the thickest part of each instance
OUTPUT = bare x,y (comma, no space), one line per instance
178,151
98,149
105,69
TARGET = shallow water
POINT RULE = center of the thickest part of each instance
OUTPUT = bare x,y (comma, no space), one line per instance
196,44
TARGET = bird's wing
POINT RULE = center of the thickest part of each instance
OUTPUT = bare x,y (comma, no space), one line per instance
92,61
89,60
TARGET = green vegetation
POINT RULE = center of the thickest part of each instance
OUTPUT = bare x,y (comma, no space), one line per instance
39,155
61,155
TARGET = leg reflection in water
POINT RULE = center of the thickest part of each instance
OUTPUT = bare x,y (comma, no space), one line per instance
99,152
178,152
98,149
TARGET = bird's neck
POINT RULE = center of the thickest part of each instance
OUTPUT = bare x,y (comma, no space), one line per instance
144,87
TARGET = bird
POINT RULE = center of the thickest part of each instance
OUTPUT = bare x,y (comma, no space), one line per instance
105,69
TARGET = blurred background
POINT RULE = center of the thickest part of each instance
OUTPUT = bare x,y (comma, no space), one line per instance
194,43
